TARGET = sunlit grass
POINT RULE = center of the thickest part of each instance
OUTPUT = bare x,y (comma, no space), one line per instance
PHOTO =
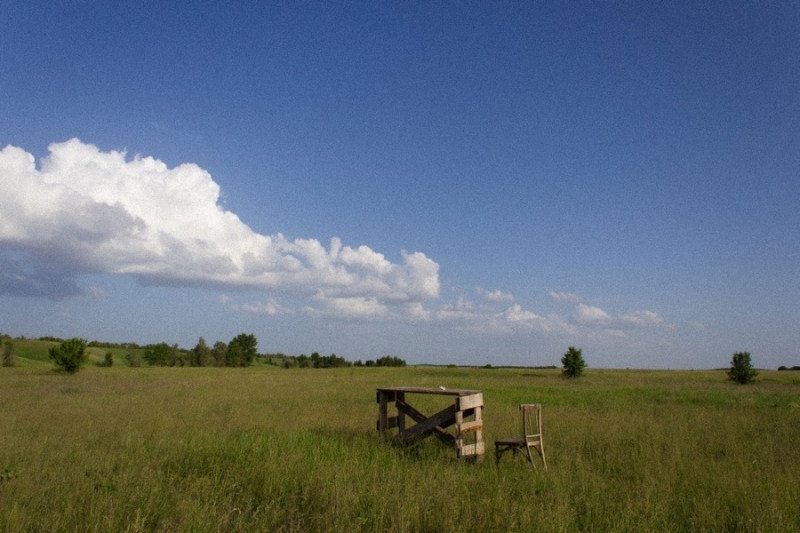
265,449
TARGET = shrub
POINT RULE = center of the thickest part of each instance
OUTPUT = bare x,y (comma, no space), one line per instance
8,352
742,370
108,360
573,363
133,359
70,355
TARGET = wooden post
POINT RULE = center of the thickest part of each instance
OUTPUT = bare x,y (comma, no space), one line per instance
469,406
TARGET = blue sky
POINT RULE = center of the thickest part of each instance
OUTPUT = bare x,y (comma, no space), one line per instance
447,182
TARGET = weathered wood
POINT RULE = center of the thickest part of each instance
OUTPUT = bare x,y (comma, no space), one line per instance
466,427
468,402
442,419
405,409
471,449
531,436
431,390
383,416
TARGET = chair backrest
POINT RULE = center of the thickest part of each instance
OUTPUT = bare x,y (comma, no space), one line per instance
531,422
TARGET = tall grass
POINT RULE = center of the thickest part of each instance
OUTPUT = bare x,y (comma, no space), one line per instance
265,449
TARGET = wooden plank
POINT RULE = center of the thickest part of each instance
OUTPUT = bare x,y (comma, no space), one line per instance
416,416
468,402
443,418
431,390
382,414
401,418
471,449
385,394
466,427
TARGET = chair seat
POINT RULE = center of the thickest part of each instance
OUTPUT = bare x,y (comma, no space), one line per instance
511,441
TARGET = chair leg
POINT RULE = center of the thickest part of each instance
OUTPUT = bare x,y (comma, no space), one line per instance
530,457
541,452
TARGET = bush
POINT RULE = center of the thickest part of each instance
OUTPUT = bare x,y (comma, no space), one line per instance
742,370
70,355
108,360
8,352
133,359
573,363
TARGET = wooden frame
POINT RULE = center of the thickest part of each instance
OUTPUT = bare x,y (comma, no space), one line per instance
466,414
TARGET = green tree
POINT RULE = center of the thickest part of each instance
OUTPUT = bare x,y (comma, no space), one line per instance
219,353
108,360
390,360
573,363
742,370
8,352
242,350
200,354
161,354
70,355
177,356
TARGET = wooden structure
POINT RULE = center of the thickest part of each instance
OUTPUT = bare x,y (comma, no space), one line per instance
531,436
465,413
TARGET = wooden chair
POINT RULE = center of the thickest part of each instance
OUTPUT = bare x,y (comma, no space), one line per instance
531,436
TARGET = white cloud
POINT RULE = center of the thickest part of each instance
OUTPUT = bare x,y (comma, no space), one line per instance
495,296
565,297
587,314
88,211
84,211
594,316
516,315
355,307
643,318
270,307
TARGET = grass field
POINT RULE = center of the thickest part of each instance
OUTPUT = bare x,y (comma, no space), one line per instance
268,449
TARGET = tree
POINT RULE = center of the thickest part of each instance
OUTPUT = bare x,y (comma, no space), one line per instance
133,358
390,360
742,370
8,352
200,354
70,355
219,352
160,354
242,350
573,363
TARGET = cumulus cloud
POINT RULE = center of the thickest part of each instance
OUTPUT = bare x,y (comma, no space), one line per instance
88,211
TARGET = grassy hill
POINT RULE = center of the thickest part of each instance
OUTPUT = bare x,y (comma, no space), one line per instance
35,352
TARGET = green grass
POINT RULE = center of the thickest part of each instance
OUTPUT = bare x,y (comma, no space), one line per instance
266,449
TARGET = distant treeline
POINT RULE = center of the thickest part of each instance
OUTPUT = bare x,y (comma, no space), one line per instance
241,351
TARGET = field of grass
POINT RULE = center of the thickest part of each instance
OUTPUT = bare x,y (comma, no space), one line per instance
268,449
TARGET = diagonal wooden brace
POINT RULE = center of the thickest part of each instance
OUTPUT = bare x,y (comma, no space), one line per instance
425,425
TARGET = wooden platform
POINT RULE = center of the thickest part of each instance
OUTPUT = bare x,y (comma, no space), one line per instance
465,414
